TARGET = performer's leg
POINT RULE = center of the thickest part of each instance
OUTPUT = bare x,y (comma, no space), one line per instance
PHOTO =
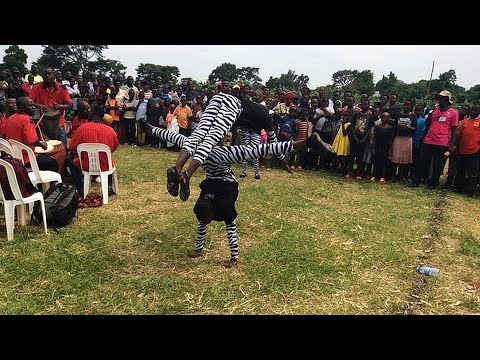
233,243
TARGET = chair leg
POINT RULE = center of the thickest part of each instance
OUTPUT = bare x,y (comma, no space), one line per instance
104,178
44,215
86,184
21,215
115,182
9,218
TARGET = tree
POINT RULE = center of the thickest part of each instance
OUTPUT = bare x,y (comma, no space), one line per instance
112,68
15,56
387,85
249,75
80,58
226,71
473,94
151,71
342,79
363,83
290,81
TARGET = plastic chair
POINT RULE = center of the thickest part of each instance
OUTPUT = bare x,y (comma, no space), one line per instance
6,146
9,205
93,150
37,176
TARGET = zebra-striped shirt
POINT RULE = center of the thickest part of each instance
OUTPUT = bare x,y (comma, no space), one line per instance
217,165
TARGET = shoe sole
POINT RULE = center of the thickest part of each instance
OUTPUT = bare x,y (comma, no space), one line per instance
173,183
184,187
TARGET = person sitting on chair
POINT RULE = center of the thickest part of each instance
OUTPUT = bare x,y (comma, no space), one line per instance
94,131
21,127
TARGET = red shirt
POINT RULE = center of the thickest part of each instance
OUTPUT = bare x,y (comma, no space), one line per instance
76,122
26,88
47,96
20,127
3,120
442,122
92,132
469,136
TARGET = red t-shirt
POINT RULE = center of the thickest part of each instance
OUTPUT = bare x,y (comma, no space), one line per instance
47,96
92,132
469,136
20,127
76,122
442,122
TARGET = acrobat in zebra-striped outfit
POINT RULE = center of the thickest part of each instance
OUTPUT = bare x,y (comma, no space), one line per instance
221,112
219,190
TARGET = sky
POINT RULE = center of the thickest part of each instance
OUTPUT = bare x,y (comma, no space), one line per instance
410,63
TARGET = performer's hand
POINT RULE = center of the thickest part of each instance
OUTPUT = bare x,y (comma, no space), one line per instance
43,108
286,167
43,144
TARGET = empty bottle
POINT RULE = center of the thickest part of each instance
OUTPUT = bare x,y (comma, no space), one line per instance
427,270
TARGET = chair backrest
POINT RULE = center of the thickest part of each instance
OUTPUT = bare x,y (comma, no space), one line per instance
12,181
6,146
18,149
93,150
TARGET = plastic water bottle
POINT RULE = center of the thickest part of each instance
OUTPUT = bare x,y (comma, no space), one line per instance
427,270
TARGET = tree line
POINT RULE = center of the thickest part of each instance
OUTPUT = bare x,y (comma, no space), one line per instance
83,59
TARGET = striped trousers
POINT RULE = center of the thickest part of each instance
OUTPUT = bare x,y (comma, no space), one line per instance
219,115
231,234
249,137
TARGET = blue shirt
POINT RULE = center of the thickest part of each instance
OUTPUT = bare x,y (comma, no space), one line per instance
421,128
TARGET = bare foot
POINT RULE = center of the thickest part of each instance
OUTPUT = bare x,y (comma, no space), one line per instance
195,253
230,263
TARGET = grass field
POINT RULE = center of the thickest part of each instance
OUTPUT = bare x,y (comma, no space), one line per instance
310,243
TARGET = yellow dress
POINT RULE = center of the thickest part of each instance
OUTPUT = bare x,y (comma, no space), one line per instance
341,144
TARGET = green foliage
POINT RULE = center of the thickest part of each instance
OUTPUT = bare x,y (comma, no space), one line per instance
112,68
74,58
226,71
14,56
473,94
169,74
358,82
290,81
247,75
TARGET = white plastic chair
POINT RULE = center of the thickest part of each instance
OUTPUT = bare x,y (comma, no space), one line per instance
6,146
37,176
93,150
9,205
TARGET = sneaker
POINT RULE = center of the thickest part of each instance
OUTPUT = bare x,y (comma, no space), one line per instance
257,176
299,168
292,168
243,175
372,179
382,181
359,177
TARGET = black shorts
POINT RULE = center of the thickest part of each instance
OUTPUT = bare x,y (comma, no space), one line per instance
222,195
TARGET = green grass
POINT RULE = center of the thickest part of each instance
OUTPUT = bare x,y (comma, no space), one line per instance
310,243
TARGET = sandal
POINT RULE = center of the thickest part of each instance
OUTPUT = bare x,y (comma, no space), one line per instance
172,181
184,186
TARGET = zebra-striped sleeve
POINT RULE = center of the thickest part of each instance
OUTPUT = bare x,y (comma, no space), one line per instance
272,138
239,153
168,136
